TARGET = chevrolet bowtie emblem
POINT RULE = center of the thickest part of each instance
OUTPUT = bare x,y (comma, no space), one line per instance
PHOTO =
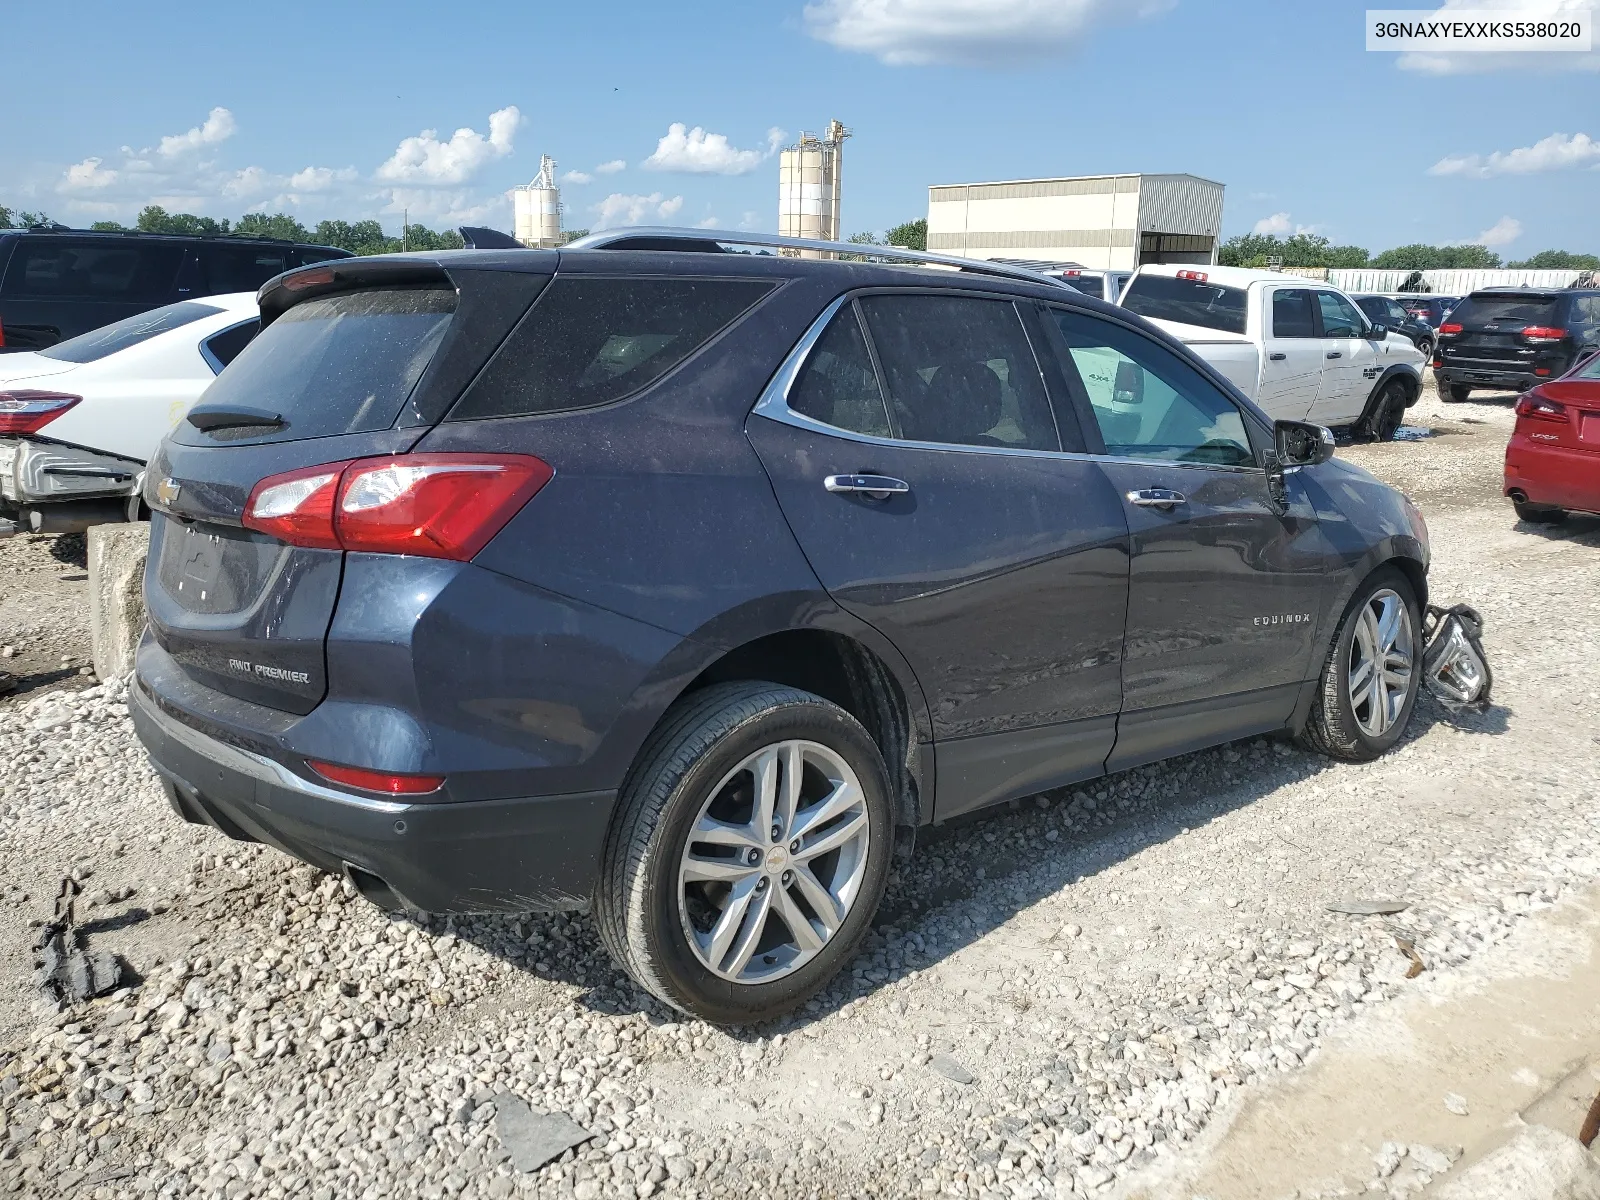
167,490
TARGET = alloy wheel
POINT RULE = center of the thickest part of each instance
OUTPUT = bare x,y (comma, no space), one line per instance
773,862
1381,662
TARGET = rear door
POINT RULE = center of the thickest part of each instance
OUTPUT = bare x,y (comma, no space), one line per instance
1225,581
240,267
1349,361
1292,362
57,286
926,482
363,370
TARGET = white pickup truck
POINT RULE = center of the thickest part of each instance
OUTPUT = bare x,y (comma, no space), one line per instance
1300,349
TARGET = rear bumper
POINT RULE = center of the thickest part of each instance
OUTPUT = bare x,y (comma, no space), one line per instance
1486,377
1553,475
519,854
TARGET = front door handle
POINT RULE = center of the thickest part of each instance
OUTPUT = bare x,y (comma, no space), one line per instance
1164,499
1334,354
873,487
1277,356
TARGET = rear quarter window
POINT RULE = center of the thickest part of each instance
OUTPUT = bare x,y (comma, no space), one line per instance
590,340
1187,301
344,363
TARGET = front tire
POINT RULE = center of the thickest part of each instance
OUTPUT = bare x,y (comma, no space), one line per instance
1387,414
750,850
1372,673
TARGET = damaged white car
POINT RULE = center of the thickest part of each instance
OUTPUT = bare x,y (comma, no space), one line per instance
79,420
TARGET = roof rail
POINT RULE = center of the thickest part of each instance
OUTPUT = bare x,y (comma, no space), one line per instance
664,237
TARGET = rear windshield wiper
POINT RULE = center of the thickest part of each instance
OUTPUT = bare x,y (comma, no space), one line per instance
207,419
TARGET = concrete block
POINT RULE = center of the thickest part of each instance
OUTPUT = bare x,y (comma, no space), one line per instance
116,594
1535,1163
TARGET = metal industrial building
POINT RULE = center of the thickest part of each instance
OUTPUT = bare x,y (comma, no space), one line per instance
1108,221
810,183
536,208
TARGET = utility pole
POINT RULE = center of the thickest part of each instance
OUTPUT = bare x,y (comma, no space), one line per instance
405,229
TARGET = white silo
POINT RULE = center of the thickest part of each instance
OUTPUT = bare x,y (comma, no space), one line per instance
537,207
810,179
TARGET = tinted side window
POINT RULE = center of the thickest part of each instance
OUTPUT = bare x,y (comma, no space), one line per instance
589,340
1586,310
222,348
960,370
51,267
838,386
1395,316
241,268
1147,402
1291,313
1339,316
307,255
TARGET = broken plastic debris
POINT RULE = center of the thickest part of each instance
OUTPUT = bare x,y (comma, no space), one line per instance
66,970
534,1138
1368,908
1453,662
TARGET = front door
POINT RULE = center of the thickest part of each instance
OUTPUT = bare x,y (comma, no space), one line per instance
1225,581
950,520
1350,365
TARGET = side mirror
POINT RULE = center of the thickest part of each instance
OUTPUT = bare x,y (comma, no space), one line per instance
1378,332
1302,444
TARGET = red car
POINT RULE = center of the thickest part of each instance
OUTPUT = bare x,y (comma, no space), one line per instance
1553,459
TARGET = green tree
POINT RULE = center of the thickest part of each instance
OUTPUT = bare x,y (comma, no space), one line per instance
280,225
1300,250
913,235
864,238
155,219
109,227
1421,257
22,219
1559,260
572,235
359,237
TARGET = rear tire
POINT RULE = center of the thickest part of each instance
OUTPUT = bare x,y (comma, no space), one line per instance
1538,514
677,910
1456,393
1358,716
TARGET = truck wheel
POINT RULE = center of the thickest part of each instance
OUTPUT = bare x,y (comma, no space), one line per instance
750,849
1385,414
1457,393
1371,675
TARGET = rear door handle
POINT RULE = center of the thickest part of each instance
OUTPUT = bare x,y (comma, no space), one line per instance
873,487
1334,354
1163,498
1277,356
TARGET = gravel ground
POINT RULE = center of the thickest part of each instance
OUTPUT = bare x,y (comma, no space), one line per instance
1057,994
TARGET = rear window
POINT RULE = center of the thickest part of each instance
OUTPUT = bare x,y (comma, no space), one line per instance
1089,285
108,339
50,267
344,363
241,268
1165,298
590,340
1478,311
1590,369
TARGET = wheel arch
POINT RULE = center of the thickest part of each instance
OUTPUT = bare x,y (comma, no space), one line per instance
1411,379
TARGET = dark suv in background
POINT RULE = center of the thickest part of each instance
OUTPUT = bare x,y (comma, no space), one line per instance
56,283
1514,338
685,583
1391,313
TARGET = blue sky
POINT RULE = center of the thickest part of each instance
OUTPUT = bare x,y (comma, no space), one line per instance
325,110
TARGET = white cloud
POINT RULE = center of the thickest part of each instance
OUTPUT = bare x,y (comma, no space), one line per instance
219,126
320,179
88,175
620,208
612,167
1485,61
1279,225
708,223
696,152
577,177
425,159
435,206
971,32
1503,232
250,182
1548,154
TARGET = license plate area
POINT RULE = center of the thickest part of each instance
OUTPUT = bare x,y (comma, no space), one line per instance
212,569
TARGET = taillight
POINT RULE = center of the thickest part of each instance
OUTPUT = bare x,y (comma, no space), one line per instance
387,782
430,505
1450,327
1537,408
24,410
2,335
1437,363
1197,276
1543,333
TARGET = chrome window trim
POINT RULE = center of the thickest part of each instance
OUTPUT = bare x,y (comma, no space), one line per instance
212,361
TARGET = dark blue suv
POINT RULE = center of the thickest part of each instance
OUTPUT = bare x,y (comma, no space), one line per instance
683,583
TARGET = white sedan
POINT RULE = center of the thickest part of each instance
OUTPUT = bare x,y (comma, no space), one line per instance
79,420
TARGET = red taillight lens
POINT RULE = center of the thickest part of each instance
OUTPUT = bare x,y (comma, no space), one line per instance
431,505
27,411
1197,276
386,782
1543,333
1437,363
301,280
297,506
1537,408
2,334
1450,327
